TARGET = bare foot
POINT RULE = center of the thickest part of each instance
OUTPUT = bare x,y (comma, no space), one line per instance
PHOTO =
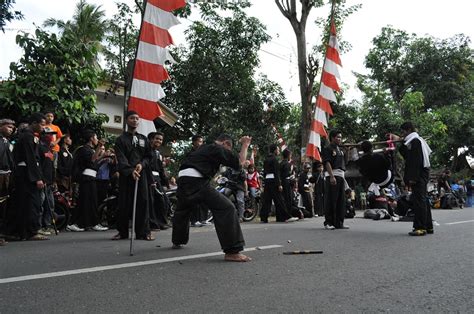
237,257
177,246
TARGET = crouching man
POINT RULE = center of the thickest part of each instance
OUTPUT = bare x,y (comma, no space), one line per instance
194,187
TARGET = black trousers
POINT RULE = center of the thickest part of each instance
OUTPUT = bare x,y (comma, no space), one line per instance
125,208
198,190
307,203
334,203
24,221
422,219
287,194
158,207
199,213
270,194
86,211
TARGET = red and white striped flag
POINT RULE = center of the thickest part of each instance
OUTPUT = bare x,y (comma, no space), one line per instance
281,142
149,70
326,95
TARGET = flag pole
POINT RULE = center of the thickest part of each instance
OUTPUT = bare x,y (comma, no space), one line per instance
127,100
324,64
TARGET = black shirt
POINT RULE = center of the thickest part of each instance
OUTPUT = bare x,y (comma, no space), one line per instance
303,183
64,162
156,164
335,156
6,156
131,150
46,163
285,169
414,169
374,167
271,165
208,158
26,150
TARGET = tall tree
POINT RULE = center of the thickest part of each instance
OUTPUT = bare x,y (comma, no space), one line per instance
88,24
428,80
308,64
7,14
213,89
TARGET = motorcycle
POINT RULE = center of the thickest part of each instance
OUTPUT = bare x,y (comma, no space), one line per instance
63,206
252,204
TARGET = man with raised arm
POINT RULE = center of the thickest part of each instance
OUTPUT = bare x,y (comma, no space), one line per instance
194,187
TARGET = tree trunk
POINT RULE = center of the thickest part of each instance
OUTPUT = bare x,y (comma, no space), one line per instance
304,88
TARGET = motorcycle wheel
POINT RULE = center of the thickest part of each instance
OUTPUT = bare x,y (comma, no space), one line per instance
61,215
107,214
251,209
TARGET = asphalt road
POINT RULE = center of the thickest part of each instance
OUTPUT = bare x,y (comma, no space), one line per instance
373,267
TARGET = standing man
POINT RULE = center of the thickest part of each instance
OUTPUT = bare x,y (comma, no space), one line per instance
194,187
85,168
416,153
7,165
286,176
133,153
158,199
28,181
334,190
273,188
199,213
50,127
303,190
318,192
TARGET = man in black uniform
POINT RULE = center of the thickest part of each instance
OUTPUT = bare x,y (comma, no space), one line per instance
375,167
273,188
303,190
287,175
7,165
318,192
200,212
334,191
158,199
28,182
416,153
133,153
195,174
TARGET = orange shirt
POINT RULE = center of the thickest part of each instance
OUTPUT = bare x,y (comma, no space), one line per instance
55,128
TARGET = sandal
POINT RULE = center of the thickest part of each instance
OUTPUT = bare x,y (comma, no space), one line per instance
148,237
118,237
38,237
3,242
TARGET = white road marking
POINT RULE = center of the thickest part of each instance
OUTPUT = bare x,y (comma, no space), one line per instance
459,222
125,265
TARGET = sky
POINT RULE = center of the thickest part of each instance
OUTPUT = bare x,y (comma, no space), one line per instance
438,18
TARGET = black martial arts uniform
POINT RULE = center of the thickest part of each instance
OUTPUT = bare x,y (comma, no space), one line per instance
334,195
416,172
271,171
86,215
7,166
27,197
64,170
200,212
191,190
303,189
318,193
375,168
132,149
285,176
158,200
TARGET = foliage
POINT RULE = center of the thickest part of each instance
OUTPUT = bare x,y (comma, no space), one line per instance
7,14
87,26
121,41
423,79
53,74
